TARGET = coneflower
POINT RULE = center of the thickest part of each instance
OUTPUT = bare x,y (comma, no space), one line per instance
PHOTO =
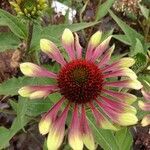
83,84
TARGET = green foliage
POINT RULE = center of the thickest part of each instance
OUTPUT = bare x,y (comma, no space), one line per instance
8,41
7,134
103,9
103,137
124,139
11,86
130,33
145,11
17,27
141,62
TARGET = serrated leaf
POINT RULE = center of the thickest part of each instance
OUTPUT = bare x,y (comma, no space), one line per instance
8,41
21,110
129,32
122,38
16,126
124,139
102,9
36,107
18,28
138,48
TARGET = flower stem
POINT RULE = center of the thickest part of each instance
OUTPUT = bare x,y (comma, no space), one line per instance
30,32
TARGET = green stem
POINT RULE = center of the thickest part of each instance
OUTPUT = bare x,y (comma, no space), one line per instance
30,32
147,30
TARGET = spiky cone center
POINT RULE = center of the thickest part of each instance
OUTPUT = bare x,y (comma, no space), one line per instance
80,81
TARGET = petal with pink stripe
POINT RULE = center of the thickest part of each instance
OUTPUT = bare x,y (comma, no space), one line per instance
123,97
86,132
93,43
78,47
57,131
33,70
52,51
48,118
124,118
144,106
106,57
74,135
101,120
134,84
125,62
121,72
34,92
69,43
101,49
146,94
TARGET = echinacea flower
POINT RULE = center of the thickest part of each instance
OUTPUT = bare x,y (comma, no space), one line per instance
84,83
29,8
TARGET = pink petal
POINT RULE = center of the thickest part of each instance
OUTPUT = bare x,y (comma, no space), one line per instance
146,94
78,47
52,51
93,43
33,70
86,131
134,84
100,49
123,97
121,72
57,131
101,121
106,57
117,106
122,63
74,135
49,117
37,91
69,43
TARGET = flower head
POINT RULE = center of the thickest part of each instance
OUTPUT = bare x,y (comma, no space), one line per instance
83,83
127,6
29,8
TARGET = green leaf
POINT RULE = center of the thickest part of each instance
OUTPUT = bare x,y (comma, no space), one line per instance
145,11
124,139
36,107
141,62
11,86
129,32
54,32
103,9
138,48
8,41
7,134
35,43
4,133
21,110
122,38
105,138
17,27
